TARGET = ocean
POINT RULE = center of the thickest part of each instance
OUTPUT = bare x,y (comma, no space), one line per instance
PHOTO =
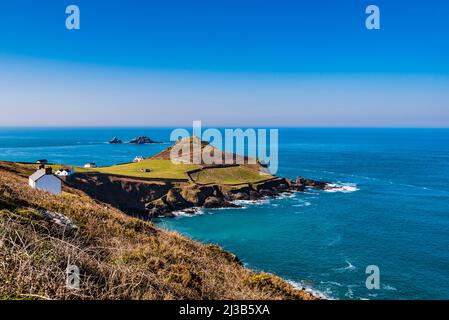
393,211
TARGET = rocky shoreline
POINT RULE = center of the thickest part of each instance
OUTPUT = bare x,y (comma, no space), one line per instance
155,199
218,196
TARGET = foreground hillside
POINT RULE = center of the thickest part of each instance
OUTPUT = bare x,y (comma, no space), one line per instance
119,257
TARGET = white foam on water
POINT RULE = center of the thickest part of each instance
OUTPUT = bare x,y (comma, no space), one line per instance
253,202
190,212
389,288
310,289
344,188
349,294
303,204
311,193
285,195
350,267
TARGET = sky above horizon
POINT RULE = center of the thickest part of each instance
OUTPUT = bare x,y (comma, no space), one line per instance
226,63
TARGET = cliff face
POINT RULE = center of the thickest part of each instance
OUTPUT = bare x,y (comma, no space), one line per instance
161,198
119,257
128,195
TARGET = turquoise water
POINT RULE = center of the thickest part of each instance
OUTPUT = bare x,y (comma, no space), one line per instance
397,218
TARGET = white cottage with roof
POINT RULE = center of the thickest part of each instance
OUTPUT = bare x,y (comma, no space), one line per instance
43,179
138,159
65,172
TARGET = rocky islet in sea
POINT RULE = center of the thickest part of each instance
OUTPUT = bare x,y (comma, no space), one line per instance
138,140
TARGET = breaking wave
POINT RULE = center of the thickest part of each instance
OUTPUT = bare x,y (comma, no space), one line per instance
345,188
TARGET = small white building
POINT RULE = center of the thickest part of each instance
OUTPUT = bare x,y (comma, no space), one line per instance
90,165
65,172
44,180
138,159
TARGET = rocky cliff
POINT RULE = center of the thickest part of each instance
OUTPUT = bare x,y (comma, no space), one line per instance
162,198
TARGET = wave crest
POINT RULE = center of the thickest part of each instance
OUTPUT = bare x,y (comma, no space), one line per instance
343,187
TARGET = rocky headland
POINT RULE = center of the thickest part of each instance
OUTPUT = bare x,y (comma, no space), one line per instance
151,199
119,257
161,197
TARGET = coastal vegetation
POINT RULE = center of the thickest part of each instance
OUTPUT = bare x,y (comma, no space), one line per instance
161,169
228,175
119,257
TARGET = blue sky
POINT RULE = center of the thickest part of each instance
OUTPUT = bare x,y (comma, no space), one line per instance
226,62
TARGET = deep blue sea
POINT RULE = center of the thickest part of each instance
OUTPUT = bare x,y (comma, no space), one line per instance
396,217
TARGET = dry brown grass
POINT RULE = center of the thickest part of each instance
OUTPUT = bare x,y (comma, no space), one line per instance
119,257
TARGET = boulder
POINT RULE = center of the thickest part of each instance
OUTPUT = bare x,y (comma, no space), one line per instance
218,202
310,183
213,202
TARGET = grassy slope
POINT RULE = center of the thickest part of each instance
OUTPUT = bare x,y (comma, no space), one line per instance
120,257
165,169
159,169
229,175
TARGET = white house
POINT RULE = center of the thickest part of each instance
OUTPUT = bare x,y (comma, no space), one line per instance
138,159
64,172
90,165
44,180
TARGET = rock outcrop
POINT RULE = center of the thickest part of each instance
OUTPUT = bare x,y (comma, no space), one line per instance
128,195
310,183
217,196
161,198
115,140
142,140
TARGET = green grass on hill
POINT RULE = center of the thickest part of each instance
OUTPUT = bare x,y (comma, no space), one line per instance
163,169
229,175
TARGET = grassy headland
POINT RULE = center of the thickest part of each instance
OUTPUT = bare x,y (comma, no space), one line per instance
159,169
119,257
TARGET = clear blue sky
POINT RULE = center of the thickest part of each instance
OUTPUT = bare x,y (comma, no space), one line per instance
226,62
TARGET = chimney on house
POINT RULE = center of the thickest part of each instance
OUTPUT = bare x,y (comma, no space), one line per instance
41,166
48,170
